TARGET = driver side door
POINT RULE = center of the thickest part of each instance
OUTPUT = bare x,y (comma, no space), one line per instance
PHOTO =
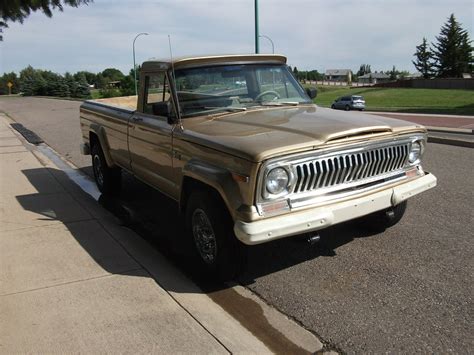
150,135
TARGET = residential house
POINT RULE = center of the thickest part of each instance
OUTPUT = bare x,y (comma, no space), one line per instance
374,78
338,75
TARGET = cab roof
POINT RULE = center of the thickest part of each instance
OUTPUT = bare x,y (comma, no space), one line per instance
198,61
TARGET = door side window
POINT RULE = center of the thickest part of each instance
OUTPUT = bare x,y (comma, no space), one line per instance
157,93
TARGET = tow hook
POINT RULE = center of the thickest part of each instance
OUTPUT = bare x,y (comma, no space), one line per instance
313,239
390,214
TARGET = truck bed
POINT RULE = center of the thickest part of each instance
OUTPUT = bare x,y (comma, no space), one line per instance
123,102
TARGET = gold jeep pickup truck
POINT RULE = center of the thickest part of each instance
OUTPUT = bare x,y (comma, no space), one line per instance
239,145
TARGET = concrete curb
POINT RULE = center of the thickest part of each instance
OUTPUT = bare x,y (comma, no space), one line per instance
450,141
450,130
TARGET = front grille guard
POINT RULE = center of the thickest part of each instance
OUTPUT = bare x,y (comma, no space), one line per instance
330,174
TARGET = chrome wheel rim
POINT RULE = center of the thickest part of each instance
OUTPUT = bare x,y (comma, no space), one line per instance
99,176
204,237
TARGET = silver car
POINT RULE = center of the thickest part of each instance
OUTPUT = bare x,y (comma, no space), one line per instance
353,102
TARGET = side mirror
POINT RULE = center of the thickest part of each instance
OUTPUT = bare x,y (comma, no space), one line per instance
312,92
163,109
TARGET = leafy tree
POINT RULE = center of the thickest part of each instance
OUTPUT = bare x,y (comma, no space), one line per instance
113,74
453,50
19,10
100,81
295,71
424,60
127,84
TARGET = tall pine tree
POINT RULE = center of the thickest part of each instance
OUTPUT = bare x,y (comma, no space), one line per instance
453,50
424,60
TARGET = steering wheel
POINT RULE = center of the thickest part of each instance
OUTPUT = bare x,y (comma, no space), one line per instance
268,92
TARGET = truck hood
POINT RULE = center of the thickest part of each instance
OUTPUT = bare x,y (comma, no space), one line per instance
260,134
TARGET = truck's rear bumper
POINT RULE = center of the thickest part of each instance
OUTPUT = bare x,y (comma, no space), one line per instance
321,217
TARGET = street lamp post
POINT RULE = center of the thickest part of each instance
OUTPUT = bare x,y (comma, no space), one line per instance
134,65
257,44
273,47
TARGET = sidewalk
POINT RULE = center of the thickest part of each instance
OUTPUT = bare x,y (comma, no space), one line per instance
73,280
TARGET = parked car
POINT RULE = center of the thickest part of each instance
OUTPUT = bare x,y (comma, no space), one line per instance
252,162
354,102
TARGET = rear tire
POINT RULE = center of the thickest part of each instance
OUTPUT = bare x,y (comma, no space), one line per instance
381,220
347,108
108,179
209,229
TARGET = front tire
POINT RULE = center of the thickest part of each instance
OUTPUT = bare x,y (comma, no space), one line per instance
347,108
333,107
209,229
108,179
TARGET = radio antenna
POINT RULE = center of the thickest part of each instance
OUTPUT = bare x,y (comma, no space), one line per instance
178,109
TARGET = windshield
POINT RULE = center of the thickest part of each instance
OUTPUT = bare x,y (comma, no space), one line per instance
231,88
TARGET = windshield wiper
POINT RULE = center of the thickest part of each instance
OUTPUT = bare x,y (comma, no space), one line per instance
228,108
288,103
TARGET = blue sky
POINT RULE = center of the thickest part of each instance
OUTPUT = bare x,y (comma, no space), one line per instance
313,34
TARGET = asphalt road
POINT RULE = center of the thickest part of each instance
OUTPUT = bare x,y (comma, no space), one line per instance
408,289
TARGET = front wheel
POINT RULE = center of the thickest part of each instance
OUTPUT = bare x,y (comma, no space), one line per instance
381,220
108,179
209,228
347,108
333,107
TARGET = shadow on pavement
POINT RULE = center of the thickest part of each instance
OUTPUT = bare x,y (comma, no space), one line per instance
155,218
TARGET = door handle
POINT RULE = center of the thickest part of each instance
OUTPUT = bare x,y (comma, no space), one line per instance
137,119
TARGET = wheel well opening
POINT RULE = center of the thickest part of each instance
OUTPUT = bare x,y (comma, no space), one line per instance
189,186
93,139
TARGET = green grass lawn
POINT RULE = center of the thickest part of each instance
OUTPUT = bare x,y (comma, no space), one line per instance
441,101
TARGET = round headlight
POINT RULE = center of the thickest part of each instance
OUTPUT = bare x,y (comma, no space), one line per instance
277,181
415,152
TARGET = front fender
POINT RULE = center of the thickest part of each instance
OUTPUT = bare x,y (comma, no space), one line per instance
220,179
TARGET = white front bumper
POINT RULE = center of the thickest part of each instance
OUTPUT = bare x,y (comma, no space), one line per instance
317,218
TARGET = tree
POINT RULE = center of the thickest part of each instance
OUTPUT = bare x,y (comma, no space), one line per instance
112,74
88,77
453,50
5,79
127,84
393,73
424,60
364,69
18,11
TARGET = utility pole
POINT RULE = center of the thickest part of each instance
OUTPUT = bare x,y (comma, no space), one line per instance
257,44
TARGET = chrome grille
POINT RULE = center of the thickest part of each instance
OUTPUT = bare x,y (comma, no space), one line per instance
345,168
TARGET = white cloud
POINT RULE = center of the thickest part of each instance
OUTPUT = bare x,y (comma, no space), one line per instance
313,34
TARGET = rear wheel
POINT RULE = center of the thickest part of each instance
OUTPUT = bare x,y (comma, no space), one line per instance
209,229
381,220
108,179
347,108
